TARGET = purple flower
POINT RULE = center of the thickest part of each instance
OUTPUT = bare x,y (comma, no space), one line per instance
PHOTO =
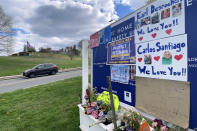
159,123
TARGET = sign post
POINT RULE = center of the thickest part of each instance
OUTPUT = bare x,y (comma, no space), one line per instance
84,69
112,102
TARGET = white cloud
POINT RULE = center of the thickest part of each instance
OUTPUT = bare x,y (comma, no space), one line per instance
55,23
134,4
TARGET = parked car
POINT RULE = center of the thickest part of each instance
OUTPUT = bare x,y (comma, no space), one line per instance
41,69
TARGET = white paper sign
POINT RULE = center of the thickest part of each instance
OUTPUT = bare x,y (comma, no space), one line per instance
127,96
160,19
163,59
120,73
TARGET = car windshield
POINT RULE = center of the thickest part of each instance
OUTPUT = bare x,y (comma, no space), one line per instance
49,65
36,67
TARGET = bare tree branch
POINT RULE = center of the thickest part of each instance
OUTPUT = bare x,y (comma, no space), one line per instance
6,41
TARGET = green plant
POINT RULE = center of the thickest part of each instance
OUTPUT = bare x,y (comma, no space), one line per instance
106,107
93,94
135,121
149,122
132,119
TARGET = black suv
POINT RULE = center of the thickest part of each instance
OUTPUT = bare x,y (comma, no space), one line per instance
41,69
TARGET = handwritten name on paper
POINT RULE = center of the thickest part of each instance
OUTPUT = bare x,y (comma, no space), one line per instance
159,20
163,59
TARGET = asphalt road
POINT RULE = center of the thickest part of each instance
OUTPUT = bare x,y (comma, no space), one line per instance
22,83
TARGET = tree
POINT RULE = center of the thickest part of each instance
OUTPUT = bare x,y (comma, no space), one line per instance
80,48
61,50
25,48
70,52
31,49
45,50
6,41
80,45
76,52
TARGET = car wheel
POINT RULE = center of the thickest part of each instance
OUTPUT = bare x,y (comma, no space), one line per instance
53,72
32,75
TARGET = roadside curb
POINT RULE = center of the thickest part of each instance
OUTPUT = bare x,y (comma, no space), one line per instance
70,69
10,77
19,76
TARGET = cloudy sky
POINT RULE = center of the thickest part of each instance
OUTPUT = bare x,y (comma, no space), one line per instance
58,23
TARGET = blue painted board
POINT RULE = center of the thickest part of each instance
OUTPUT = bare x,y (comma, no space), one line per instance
191,31
101,70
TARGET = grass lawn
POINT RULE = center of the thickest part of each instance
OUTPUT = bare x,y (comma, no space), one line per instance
10,65
51,107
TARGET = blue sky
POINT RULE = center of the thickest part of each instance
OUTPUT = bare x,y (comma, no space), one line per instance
123,10
20,30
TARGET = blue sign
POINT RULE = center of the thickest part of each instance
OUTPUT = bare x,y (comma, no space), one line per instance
105,35
121,52
120,73
190,17
125,92
123,30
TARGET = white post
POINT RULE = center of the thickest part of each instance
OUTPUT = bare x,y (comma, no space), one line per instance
84,69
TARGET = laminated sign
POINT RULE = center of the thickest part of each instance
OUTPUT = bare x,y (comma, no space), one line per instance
160,19
121,52
125,29
120,73
94,40
104,36
163,59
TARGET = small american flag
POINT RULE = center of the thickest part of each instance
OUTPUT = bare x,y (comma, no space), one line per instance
28,45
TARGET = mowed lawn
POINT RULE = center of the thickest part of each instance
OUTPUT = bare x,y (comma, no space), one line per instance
15,65
51,107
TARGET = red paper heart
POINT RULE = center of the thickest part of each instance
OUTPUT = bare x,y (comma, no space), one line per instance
157,58
178,57
169,31
139,59
154,35
141,38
